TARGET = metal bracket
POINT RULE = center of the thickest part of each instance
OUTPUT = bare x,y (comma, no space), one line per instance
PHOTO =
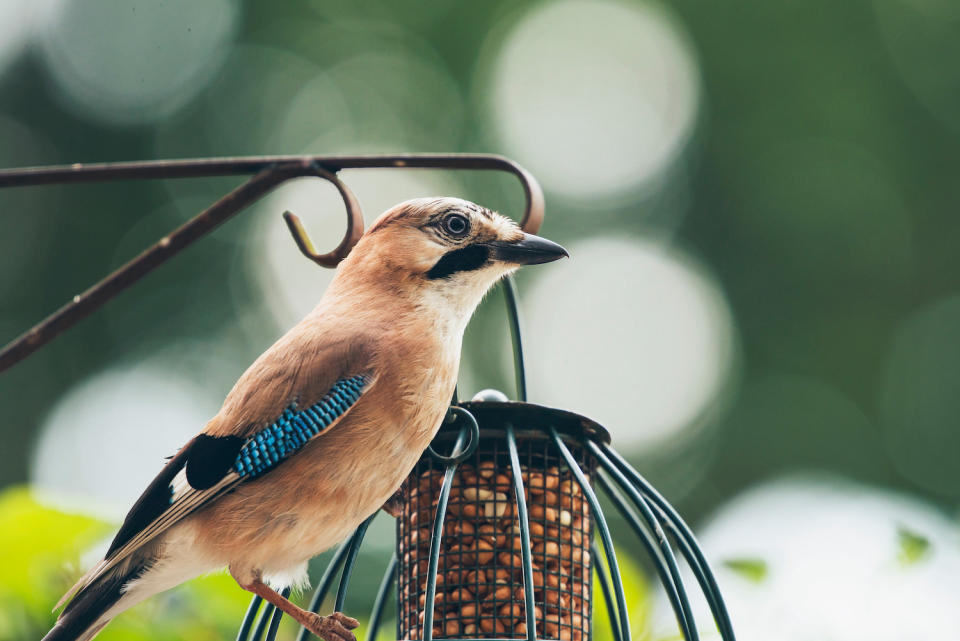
266,173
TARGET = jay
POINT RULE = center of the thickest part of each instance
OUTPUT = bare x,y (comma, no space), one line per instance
322,428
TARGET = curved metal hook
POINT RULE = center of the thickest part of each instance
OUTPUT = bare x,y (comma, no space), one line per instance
350,238
459,455
533,216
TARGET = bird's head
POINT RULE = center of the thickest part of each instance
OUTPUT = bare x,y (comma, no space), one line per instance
446,248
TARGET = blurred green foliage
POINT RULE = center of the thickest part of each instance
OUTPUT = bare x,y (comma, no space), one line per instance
38,543
41,552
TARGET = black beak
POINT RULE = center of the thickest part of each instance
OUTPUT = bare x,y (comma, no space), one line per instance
529,250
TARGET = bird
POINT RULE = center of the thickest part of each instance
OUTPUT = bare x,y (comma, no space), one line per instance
321,430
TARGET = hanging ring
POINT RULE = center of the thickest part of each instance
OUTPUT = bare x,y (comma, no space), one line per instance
350,238
459,455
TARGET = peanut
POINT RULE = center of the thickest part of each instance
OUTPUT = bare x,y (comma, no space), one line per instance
491,626
502,593
484,551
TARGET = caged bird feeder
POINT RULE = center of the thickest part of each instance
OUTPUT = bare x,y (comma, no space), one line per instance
501,531
501,537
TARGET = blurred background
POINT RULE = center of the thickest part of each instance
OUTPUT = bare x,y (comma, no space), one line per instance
763,303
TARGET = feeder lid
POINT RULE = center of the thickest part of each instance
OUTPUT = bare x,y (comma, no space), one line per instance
530,416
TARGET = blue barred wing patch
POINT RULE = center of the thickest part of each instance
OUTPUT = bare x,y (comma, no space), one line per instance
294,428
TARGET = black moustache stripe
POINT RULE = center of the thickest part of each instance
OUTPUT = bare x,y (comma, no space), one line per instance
465,259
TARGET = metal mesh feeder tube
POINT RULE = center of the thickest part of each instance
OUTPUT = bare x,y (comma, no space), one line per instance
514,522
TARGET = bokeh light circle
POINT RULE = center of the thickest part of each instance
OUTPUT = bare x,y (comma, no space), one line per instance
107,437
805,558
399,97
242,111
920,402
382,101
17,21
632,334
595,98
133,62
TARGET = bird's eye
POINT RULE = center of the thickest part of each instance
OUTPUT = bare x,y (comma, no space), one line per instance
456,224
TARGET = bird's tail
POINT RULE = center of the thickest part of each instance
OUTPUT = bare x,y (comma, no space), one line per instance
94,605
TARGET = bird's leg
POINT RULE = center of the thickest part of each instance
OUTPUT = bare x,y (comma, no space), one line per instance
335,627
394,505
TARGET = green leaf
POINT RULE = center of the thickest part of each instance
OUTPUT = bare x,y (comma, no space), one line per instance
751,569
913,546
41,550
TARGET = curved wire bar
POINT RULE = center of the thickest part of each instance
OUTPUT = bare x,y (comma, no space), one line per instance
326,581
675,595
689,555
383,592
604,580
513,312
275,620
685,616
248,618
267,172
262,621
601,523
689,547
269,615
436,535
528,604
355,542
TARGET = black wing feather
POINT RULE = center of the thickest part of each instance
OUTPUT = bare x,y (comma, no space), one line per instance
154,500
210,458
